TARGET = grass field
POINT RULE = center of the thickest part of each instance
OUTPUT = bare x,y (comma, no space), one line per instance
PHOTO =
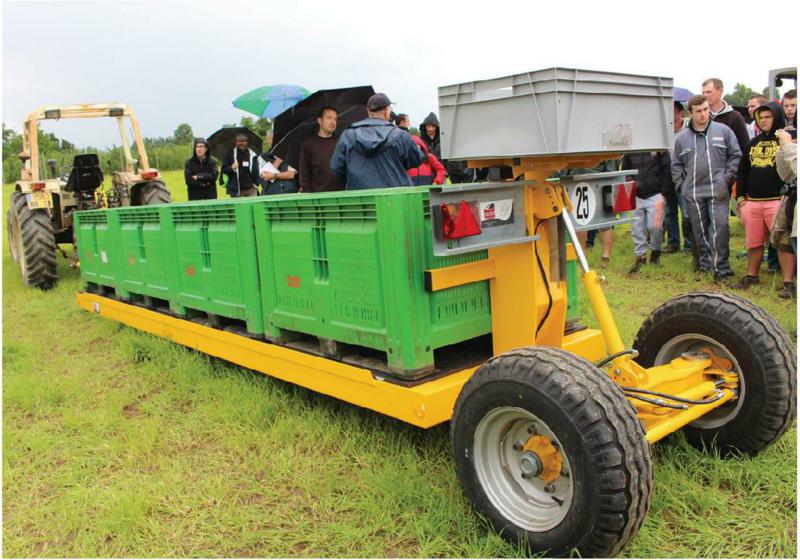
116,443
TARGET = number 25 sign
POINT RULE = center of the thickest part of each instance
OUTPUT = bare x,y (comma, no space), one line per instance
584,203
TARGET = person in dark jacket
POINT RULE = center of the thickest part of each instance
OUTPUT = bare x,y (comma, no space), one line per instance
374,153
240,165
315,155
653,184
200,172
429,132
723,113
759,190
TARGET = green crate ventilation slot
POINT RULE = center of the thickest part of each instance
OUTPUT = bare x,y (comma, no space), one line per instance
204,214
139,216
355,208
97,217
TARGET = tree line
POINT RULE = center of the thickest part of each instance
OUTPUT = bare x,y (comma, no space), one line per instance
164,153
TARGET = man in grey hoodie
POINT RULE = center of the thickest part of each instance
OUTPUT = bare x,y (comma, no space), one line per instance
705,161
374,153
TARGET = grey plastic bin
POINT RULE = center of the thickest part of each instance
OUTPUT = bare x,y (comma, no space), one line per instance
555,111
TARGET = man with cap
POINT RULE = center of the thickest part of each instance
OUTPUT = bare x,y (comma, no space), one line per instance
374,153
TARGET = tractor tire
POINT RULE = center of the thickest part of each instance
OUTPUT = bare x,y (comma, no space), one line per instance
553,404
762,354
32,243
153,193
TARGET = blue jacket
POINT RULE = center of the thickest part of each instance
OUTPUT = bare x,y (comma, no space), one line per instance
374,154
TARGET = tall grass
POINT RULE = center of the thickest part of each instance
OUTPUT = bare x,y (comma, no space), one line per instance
116,443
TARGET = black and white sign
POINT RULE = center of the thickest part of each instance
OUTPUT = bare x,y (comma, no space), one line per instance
584,203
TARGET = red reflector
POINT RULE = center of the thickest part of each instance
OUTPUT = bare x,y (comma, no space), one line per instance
625,197
463,225
38,186
149,174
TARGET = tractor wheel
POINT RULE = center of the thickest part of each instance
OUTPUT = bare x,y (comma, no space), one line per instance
154,193
550,451
761,353
32,243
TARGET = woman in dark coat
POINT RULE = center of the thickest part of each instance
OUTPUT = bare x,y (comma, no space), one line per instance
200,172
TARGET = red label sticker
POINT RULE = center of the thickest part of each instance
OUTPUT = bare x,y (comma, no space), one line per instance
88,256
190,270
131,260
293,281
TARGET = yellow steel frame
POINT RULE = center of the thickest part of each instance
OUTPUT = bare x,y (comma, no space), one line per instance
424,405
519,299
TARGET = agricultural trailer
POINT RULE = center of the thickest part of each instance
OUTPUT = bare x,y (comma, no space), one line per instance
551,423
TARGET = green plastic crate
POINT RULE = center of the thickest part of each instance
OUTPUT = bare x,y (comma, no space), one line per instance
349,267
215,260
144,252
98,247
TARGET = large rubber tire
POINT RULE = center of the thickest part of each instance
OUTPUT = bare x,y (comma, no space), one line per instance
761,352
153,193
33,244
606,477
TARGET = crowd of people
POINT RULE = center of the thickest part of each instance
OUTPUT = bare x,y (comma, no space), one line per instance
717,157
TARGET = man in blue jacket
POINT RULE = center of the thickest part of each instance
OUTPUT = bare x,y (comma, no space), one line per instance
374,153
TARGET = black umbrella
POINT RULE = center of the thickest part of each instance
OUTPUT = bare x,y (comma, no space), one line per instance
223,141
299,122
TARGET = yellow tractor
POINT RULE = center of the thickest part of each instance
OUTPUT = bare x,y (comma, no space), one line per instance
41,212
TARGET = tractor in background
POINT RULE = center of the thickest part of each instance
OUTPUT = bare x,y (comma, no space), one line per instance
40,216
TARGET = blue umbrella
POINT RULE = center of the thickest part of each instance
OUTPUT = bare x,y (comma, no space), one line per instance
681,94
270,101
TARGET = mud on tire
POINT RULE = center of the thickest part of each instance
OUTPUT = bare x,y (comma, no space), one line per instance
606,476
761,351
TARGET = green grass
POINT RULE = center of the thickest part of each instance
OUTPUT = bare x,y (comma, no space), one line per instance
116,443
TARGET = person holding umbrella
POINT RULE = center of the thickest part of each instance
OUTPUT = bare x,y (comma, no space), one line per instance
200,172
241,167
374,153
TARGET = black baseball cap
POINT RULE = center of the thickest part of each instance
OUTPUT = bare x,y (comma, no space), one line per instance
378,101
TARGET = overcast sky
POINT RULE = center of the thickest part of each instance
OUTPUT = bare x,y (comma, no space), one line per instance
178,62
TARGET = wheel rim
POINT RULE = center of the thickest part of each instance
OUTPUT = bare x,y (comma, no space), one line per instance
500,460
693,342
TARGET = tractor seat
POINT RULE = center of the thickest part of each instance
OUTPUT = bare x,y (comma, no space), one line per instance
86,174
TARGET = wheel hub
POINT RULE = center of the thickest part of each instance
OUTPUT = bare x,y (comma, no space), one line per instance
530,464
540,458
523,469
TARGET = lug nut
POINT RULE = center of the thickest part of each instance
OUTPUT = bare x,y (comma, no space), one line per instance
550,488
518,446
